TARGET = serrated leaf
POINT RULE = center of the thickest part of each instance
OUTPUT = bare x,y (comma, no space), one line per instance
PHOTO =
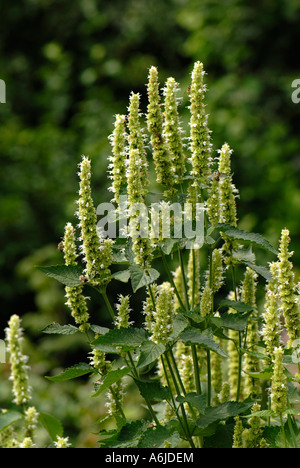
99,330
264,375
224,411
260,414
198,401
123,338
111,378
8,418
127,437
57,329
72,373
236,305
236,321
122,276
260,270
141,278
167,245
253,238
154,437
52,425
149,352
180,323
69,275
192,336
153,391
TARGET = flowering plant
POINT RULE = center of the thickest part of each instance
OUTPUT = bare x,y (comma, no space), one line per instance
209,361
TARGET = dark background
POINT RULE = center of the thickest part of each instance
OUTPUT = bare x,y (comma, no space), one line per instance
69,67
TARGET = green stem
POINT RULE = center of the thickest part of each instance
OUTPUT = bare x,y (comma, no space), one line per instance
184,278
208,377
194,279
177,371
137,377
184,417
172,281
109,307
283,431
239,384
171,394
240,341
196,370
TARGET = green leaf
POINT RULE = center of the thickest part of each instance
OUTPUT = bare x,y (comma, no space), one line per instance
141,278
123,338
122,276
180,323
236,305
99,330
8,418
128,437
149,353
264,375
69,275
111,378
192,336
260,270
72,372
129,254
198,401
57,329
194,315
260,414
235,321
226,410
52,425
153,391
253,238
167,245
154,437
244,255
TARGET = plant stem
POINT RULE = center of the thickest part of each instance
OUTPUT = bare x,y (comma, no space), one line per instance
184,278
208,377
171,394
194,279
283,431
186,426
151,410
109,307
196,370
239,384
172,281
240,341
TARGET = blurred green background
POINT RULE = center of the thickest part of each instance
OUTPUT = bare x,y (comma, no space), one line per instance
69,66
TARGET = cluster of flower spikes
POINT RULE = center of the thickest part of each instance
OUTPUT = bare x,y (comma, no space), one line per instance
251,437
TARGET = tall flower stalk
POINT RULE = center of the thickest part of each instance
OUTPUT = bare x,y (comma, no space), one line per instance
18,361
96,250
